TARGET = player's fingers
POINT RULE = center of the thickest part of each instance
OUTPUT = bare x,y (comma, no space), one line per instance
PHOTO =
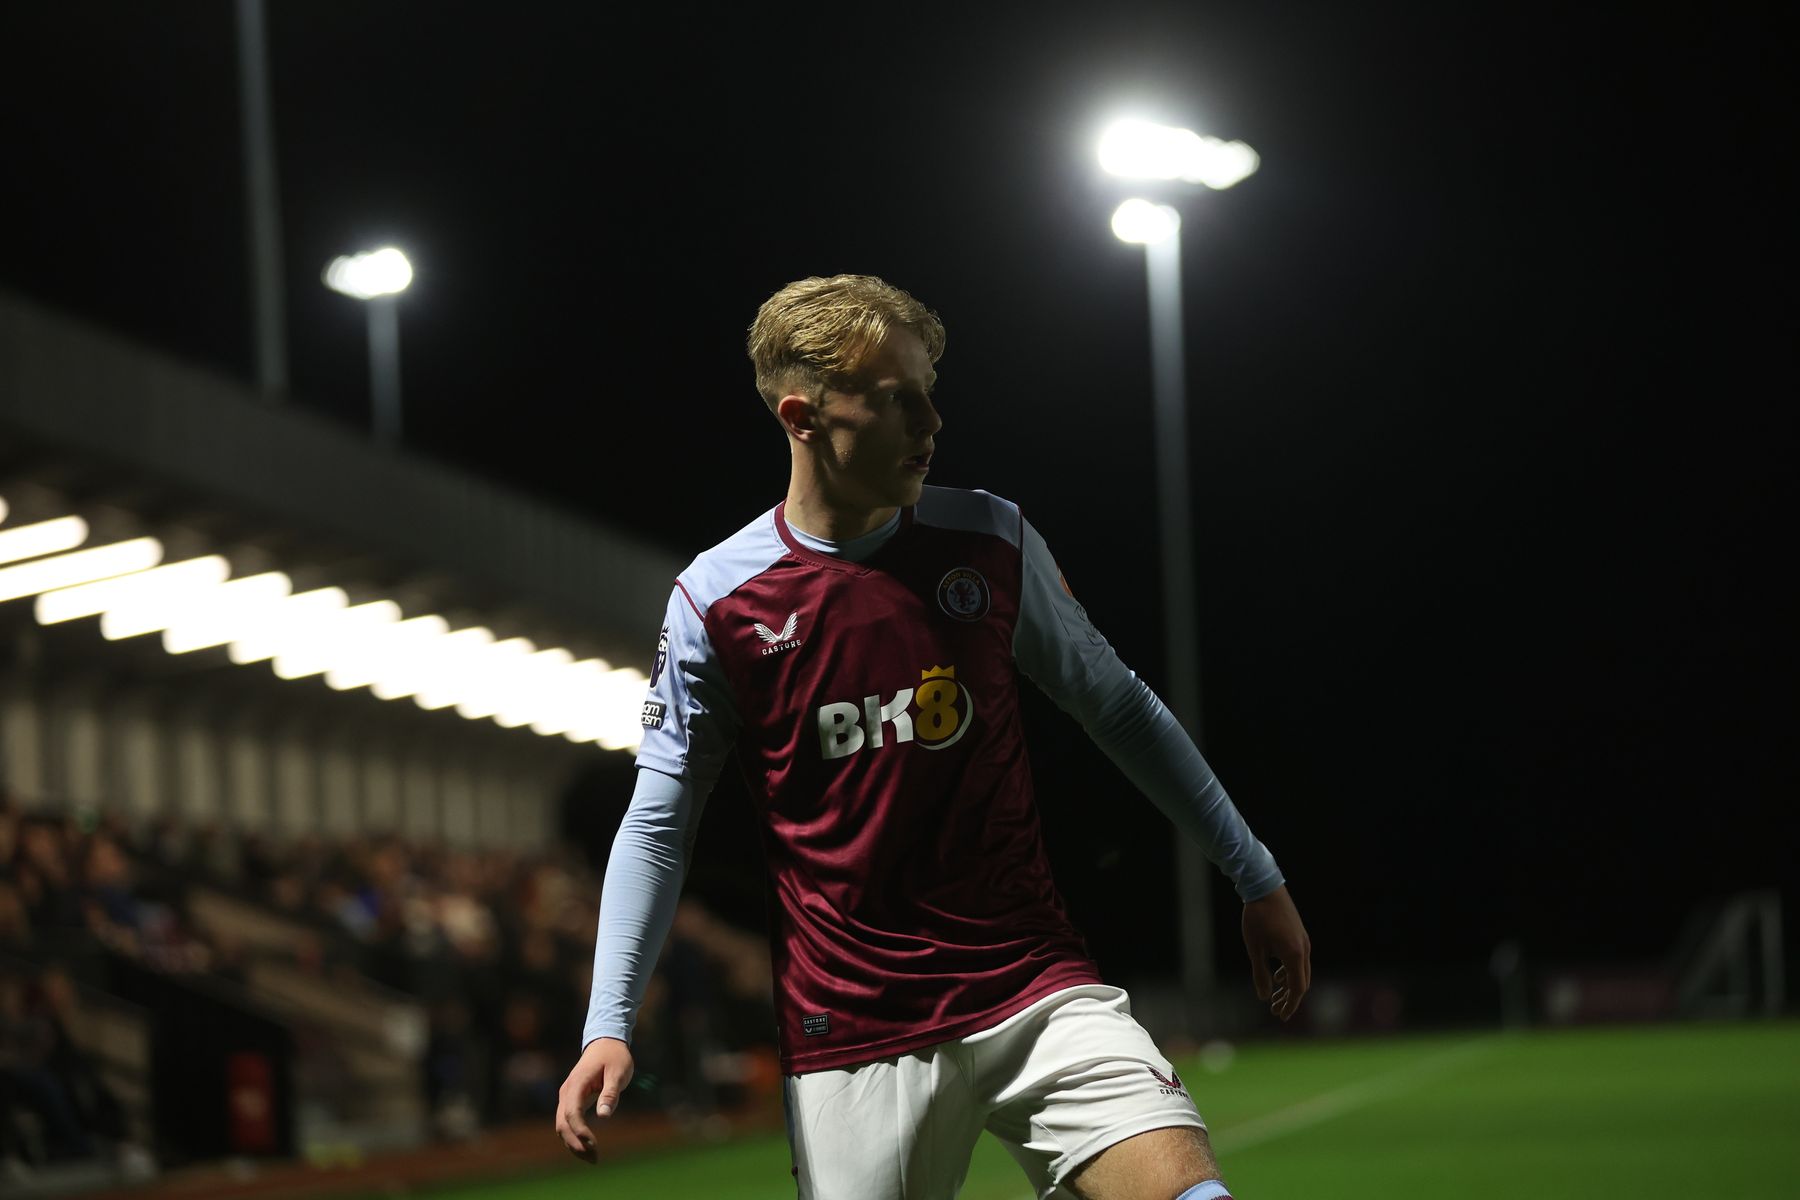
582,1141
1294,990
1259,975
1297,965
1286,996
574,1132
609,1100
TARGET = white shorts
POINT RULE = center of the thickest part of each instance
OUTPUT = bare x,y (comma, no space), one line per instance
1056,1083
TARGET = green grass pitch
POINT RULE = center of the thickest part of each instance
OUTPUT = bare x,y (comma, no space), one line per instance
1707,1111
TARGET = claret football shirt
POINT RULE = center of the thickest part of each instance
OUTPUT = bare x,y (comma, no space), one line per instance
870,698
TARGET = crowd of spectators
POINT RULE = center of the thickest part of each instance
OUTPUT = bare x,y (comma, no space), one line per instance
495,944
54,1107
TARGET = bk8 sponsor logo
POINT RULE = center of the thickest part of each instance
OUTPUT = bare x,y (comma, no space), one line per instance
935,715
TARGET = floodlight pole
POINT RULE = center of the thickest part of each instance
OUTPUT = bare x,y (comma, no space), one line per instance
262,198
1168,369
384,367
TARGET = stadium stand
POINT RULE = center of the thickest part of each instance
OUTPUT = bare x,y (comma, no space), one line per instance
253,916
357,996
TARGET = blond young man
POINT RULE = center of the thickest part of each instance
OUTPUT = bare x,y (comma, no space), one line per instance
858,649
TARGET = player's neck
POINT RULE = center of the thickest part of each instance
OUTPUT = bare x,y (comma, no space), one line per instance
811,511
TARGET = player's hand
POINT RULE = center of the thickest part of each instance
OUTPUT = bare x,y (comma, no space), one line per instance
1272,930
604,1071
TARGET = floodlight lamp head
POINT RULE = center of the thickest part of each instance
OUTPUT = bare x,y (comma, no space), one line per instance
1143,150
1145,223
383,272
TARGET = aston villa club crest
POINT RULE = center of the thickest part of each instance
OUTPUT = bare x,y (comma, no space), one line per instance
963,593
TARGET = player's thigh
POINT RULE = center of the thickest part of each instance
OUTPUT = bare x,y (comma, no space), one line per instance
1074,1077
896,1129
1157,1165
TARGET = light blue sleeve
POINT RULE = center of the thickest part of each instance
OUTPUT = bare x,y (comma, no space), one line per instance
1058,648
637,901
689,726
689,719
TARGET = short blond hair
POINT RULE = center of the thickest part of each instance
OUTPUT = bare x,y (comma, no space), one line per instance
817,332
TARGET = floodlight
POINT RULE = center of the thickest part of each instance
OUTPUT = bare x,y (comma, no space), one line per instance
617,704
1224,164
392,655
440,682
315,647
195,605
1143,222
383,272
42,537
1142,150
172,583
578,717
274,627
534,689
565,709
493,676
218,617
79,566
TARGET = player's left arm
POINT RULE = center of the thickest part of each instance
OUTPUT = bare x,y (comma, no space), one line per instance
1058,648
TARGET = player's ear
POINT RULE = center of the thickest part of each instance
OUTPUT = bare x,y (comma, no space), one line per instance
798,416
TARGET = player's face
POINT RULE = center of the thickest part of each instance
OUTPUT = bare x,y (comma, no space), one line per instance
880,440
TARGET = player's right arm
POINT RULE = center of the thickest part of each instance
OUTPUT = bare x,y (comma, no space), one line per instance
689,725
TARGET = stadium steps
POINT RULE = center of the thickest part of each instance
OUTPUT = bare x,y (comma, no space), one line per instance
117,1037
372,1087
248,924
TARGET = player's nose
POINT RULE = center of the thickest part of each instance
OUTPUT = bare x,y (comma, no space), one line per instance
925,417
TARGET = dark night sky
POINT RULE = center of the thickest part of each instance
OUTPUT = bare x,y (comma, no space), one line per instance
1492,469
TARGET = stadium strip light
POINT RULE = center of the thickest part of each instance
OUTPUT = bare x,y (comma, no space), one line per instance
533,688
586,717
621,700
493,677
148,612
438,685
273,627
422,661
169,582
569,705
3,509
610,707
42,537
568,708
390,654
318,646
195,606
79,566
218,617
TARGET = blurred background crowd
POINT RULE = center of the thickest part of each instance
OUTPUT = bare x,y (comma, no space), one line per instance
493,949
